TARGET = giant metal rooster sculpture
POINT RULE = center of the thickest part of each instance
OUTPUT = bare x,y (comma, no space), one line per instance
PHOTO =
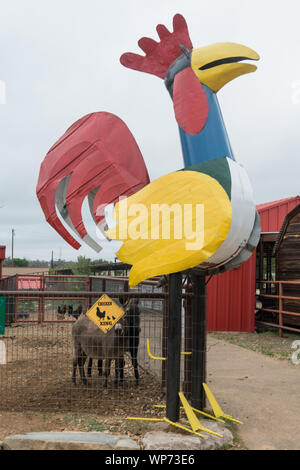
99,158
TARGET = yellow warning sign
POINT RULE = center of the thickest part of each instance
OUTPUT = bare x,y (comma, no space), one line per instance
105,313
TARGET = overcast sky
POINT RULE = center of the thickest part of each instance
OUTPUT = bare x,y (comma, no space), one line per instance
59,60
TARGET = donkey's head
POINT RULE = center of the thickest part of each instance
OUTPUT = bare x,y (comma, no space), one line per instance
121,327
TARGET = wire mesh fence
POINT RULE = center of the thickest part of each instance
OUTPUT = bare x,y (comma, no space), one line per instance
41,346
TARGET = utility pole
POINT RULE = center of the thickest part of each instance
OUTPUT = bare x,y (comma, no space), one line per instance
12,245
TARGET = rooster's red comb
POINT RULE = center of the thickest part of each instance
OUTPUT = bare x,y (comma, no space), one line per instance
160,55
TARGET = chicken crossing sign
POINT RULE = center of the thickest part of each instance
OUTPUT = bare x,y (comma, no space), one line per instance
105,313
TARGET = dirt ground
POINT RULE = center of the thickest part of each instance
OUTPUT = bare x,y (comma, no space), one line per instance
35,421
251,376
260,389
37,375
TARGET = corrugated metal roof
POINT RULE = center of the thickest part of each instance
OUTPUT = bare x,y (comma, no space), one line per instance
24,270
272,213
278,202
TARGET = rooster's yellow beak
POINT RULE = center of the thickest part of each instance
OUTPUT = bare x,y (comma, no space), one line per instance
219,63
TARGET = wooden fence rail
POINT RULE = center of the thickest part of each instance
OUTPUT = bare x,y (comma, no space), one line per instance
280,311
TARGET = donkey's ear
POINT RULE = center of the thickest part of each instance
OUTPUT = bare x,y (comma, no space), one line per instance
190,102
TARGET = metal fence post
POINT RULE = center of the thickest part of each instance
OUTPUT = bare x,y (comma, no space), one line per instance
164,351
198,341
187,341
280,309
174,346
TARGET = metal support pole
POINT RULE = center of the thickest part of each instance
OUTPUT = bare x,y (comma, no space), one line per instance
188,343
174,346
164,351
198,341
12,246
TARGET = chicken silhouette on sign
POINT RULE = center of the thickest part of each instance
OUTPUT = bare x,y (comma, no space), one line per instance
100,314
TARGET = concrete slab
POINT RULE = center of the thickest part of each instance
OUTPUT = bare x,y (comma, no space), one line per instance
68,441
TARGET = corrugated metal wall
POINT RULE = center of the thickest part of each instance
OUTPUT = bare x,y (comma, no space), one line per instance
231,296
272,214
230,299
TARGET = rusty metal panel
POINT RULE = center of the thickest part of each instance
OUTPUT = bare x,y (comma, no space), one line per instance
2,252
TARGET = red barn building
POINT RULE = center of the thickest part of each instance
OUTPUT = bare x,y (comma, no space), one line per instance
231,296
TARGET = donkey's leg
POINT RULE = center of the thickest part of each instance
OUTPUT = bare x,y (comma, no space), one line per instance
134,346
75,363
121,369
100,366
135,366
106,371
81,361
76,355
89,367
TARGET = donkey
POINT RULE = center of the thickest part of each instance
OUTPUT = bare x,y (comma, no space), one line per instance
90,341
133,320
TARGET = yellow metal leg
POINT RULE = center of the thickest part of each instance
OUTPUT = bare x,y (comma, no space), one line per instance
167,421
145,419
156,358
177,425
151,355
216,407
193,420
207,415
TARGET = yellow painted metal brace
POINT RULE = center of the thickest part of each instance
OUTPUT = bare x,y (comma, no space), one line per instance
151,355
193,420
166,421
196,411
216,407
183,427
145,419
156,358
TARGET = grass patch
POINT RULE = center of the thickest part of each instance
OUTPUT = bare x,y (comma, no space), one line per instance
238,443
266,351
268,343
70,419
285,354
94,425
137,428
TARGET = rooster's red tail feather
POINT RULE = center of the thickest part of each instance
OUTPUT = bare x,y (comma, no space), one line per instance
96,157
